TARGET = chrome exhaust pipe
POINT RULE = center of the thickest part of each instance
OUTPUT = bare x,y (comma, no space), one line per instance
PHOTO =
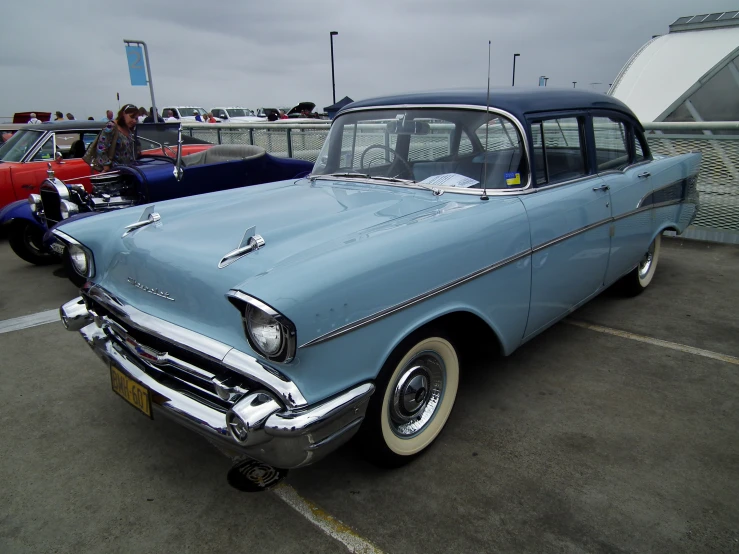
75,315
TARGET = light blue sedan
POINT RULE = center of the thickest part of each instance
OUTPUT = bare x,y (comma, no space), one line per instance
282,319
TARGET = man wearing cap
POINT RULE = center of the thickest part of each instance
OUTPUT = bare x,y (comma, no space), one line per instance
33,119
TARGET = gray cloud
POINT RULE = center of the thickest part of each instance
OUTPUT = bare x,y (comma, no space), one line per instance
231,52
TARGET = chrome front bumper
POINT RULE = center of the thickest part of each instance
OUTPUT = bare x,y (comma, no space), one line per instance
267,430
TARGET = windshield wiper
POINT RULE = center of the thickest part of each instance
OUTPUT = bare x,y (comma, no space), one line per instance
354,175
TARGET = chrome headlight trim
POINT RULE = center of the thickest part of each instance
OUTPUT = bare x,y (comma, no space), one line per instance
35,201
70,243
247,305
68,209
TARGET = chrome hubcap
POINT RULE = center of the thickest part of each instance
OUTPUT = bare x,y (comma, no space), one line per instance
416,394
646,262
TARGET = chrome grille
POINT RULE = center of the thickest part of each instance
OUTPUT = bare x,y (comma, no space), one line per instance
51,205
169,363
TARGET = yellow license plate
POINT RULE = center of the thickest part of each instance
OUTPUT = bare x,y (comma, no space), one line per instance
133,393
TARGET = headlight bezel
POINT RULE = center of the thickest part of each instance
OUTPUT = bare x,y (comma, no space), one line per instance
251,308
67,208
72,245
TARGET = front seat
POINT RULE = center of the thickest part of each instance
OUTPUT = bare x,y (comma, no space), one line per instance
78,149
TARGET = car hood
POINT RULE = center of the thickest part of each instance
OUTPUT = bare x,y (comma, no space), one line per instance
301,222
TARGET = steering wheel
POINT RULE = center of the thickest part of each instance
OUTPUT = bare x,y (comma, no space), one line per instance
389,150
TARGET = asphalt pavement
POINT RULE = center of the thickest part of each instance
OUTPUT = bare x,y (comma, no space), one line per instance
582,441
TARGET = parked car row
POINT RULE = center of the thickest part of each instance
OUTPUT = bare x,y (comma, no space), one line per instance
238,114
280,320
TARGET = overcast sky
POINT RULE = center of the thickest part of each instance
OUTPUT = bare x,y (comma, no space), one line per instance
70,56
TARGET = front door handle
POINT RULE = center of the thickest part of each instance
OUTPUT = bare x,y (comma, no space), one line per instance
602,187
28,187
644,175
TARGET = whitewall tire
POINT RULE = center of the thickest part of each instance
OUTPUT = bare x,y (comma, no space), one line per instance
636,281
415,394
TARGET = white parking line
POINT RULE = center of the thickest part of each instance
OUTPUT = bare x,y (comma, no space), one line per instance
656,342
328,524
26,321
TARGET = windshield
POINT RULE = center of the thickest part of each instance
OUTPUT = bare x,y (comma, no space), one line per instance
442,147
18,145
239,112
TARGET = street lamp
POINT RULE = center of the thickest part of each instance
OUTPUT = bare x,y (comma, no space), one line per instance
543,80
574,83
513,81
333,80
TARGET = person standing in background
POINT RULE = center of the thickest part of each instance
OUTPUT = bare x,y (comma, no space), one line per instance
142,114
58,116
115,144
108,116
33,120
70,117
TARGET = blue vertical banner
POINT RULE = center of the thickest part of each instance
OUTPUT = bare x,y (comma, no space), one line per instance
136,67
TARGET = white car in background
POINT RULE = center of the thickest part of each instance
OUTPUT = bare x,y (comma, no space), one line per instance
235,115
184,113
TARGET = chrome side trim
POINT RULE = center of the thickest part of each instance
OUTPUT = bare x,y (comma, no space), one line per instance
201,345
415,300
420,298
571,234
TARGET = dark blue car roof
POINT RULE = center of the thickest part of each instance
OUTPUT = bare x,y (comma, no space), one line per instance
517,101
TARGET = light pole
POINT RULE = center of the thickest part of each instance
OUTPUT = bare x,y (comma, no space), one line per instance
574,83
513,81
333,80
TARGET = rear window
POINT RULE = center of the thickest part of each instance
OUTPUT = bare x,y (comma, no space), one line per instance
611,139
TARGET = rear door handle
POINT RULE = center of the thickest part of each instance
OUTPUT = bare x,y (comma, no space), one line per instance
644,175
602,187
28,187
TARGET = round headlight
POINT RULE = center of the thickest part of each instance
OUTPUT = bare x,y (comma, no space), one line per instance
79,260
35,201
265,331
68,208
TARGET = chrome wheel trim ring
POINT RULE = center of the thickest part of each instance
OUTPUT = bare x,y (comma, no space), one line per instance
417,394
646,263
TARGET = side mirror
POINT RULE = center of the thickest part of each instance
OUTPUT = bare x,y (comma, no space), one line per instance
59,158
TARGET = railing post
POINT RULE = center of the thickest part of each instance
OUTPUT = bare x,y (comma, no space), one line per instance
251,136
289,143
218,131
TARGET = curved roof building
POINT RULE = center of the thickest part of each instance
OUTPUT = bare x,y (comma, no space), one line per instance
689,74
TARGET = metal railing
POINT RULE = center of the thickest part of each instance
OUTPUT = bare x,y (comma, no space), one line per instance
718,182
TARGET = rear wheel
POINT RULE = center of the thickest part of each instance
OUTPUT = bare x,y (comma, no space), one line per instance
26,240
640,277
416,390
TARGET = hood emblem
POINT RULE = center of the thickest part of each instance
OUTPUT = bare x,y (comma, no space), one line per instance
155,292
249,243
147,218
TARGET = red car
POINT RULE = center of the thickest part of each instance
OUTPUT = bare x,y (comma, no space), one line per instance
24,158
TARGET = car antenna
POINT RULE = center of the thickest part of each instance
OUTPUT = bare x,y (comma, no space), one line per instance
487,130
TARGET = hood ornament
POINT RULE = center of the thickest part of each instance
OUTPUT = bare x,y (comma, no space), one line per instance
147,218
249,243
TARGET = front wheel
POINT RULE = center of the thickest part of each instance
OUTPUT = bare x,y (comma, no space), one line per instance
27,240
641,276
416,390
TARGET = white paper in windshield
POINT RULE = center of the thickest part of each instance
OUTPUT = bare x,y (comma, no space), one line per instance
450,180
